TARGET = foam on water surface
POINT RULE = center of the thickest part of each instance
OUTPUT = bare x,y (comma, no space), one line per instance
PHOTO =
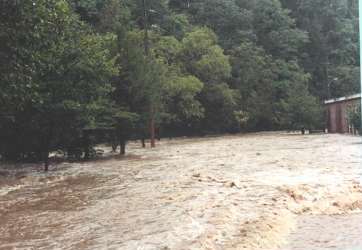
231,192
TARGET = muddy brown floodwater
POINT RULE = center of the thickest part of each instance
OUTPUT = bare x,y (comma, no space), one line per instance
255,191
320,232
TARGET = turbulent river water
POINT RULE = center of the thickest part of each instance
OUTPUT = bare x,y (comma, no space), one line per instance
322,232
255,191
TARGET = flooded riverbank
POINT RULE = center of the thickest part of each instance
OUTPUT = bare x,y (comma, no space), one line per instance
231,192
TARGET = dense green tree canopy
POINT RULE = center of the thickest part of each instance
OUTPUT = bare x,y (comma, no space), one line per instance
183,67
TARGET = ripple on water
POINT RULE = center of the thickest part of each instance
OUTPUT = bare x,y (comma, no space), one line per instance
325,232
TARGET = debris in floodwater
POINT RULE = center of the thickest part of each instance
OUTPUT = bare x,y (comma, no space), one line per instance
211,193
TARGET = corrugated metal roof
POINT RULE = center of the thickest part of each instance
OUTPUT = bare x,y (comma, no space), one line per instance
341,99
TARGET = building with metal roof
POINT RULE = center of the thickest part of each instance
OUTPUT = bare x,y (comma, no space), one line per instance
337,113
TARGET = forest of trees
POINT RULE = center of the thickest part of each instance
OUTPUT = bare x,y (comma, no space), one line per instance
182,67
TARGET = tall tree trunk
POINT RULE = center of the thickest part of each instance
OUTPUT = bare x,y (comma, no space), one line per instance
46,161
122,144
145,26
152,128
146,47
114,147
152,132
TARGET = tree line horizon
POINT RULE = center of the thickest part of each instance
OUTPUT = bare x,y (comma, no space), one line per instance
79,72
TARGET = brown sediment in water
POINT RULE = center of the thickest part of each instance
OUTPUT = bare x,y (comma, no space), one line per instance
230,192
326,232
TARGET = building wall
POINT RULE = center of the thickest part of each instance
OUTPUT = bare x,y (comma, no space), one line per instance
337,116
